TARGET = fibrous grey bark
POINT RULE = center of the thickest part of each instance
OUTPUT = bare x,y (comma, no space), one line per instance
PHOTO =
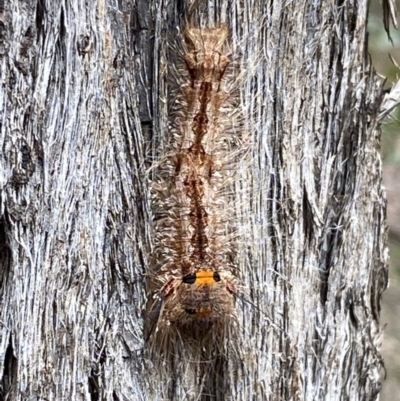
84,105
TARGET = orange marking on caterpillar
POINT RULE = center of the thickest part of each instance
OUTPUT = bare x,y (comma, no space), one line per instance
202,277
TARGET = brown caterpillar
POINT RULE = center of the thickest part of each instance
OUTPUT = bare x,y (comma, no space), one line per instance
195,286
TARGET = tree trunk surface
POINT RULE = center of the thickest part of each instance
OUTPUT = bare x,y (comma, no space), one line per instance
85,97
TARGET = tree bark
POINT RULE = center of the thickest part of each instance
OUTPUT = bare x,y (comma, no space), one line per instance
84,115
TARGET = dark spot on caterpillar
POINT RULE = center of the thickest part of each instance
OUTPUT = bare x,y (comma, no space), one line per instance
189,278
217,277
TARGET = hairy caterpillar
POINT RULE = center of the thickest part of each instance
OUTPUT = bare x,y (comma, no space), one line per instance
195,284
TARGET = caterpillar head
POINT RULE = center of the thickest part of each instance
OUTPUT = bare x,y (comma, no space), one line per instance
202,297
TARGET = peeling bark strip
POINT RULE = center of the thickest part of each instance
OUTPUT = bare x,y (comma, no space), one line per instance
190,248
